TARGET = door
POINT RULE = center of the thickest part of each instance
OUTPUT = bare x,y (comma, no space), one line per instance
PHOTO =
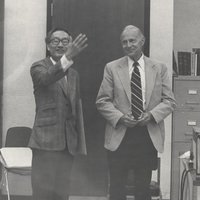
1,68
102,21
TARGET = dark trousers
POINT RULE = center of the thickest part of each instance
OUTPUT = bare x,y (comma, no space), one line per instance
51,174
136,152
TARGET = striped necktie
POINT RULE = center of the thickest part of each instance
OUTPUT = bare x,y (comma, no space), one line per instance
136,92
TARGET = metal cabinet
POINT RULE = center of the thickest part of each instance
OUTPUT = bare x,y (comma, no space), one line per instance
183,123
185,117
187,92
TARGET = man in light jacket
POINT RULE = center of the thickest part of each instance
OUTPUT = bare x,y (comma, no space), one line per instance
133,143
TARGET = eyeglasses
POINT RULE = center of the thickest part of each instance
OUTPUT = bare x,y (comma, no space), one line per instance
56,41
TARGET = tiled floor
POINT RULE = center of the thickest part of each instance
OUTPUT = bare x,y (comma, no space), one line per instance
4,197
87,198
71,198
95,198
100,198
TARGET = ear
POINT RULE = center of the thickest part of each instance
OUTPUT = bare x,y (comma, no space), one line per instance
70,38
48,47
143,41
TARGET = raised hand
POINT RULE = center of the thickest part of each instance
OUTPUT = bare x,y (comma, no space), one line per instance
76,46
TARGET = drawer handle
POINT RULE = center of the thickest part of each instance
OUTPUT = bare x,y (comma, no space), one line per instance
192,102
188,134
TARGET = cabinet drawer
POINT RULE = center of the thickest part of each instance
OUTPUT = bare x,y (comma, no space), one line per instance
183,123
187,93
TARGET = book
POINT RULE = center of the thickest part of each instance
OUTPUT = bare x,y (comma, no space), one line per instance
196,63
196,50
175,67
193,64
184,63
16,157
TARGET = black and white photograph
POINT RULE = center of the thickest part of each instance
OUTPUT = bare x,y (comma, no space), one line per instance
99,100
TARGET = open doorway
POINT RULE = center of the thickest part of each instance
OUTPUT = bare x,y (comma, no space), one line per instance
102,21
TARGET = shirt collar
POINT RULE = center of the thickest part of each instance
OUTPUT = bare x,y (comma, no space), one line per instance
140,61
52,60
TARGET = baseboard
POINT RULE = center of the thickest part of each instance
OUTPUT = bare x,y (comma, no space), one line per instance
13,197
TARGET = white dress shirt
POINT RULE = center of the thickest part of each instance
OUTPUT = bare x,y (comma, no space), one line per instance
141,68
65,63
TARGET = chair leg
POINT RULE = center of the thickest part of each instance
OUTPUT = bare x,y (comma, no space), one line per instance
7,185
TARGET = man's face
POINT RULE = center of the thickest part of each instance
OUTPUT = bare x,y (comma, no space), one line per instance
58,45
132,42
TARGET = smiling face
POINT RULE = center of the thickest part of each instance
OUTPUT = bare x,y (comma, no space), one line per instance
58,44
132,41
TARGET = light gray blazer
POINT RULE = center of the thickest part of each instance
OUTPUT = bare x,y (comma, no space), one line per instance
114,100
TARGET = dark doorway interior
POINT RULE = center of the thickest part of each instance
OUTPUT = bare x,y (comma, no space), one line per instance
102,21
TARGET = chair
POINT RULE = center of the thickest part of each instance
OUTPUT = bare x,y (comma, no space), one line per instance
18,136
15,155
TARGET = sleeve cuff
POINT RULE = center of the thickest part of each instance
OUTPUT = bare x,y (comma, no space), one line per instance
65,63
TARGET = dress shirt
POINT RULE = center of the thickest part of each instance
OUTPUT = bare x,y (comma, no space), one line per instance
65,63
141,68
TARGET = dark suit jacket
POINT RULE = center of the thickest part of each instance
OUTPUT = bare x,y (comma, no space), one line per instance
59,115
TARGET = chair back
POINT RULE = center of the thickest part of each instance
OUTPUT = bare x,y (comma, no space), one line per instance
18,136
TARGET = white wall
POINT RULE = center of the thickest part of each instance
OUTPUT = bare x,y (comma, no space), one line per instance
186,25
161,45
25,29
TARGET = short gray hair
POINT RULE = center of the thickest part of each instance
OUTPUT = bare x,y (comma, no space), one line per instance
129,27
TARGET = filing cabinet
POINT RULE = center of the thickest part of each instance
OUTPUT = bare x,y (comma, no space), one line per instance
187,92
183,122
185,117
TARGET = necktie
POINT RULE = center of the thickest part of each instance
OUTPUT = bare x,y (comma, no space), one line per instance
136,92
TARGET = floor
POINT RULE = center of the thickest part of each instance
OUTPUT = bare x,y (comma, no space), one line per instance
4,197
103,198
71,198
96,198
87,198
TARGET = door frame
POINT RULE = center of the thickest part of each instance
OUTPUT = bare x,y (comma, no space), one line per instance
1,72
1,67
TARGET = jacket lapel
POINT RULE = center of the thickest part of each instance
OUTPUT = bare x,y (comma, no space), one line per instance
68,86
123,72
63,84
71,85
48,62
150,75
71,88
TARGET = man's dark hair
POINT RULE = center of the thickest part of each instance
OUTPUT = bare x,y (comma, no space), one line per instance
49,34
